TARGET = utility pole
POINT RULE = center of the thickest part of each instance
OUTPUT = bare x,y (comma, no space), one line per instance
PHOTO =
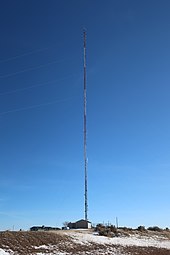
117,225
85,132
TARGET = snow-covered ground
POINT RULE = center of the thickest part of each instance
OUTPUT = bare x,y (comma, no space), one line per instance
58,253
87,238
2,252
135,240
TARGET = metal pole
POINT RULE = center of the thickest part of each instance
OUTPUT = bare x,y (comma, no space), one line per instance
85,135
117,222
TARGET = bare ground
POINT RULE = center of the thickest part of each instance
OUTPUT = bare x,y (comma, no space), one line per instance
29,243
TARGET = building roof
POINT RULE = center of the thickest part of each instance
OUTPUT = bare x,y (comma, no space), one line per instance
83,221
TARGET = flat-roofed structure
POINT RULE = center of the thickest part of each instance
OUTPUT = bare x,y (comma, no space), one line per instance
80,224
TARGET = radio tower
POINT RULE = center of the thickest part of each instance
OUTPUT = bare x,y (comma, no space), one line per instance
85,136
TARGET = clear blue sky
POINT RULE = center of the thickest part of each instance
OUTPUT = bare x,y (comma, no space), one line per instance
41,112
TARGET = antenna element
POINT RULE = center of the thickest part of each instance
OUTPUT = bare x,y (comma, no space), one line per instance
85,135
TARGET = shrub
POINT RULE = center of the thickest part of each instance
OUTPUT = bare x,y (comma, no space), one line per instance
113,229
141,228
109,231
99,227
155,228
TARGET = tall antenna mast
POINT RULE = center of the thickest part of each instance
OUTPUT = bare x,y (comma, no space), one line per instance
85,135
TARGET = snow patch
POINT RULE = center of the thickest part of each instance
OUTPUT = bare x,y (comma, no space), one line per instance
41,247
2,252
53,253
87,238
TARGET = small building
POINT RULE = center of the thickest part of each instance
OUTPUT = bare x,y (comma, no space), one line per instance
36,228
43,228
82,224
